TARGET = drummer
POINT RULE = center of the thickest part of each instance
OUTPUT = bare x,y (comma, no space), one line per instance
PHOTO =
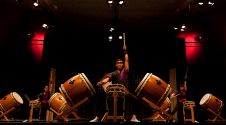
181,99
120,76
44,97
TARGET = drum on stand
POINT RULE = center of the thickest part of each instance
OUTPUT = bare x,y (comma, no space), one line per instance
115,102
9,104
209,101
77,88
58,103
153,89
12,100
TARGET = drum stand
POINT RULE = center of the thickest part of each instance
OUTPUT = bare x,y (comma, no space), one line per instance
32,107
71,110
115,95
189,106
161,112
3,114
217,115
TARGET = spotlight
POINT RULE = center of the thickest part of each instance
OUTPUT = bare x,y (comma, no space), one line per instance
198,38
35,3
175,28
110,1
44,25
200,3
30,35
121,2
183,26
211,3
111,29
120,37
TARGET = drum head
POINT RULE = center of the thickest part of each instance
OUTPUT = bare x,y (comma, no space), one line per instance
51,98
142,83
17,97
64,93
205,99
88,83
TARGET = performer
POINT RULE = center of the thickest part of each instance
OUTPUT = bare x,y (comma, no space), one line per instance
120,76
180,100
44,98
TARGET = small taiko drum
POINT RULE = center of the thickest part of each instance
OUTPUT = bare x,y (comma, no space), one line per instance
12,100
77,89
209,101
106,85
153,89
58,103
115,88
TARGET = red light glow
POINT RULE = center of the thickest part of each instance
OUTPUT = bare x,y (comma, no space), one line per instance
193,47
36,46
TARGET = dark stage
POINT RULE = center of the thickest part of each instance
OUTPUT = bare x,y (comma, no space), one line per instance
65,43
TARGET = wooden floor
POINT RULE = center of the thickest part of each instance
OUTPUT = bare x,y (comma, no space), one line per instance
85,122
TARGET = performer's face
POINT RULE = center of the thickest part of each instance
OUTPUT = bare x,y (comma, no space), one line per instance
46,88
119,64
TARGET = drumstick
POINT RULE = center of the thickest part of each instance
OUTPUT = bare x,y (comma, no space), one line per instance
124,39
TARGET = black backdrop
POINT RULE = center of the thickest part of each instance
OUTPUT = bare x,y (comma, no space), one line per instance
73,50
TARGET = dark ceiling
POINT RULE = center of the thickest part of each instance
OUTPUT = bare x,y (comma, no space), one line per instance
132,15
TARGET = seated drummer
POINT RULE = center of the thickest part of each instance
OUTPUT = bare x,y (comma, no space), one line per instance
44,97
120,76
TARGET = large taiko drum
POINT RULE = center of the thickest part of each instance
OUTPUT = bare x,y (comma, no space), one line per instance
153,89
58,103
12,100
77,88
209,101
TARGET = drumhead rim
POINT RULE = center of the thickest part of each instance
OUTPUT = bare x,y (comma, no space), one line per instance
165,95
19,99
65,94
51,98
201,102
88,83
115,87
142,83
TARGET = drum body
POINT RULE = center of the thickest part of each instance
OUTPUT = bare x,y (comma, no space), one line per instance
166,104
118,88
12,100
77,88
212,102
58,103
153,89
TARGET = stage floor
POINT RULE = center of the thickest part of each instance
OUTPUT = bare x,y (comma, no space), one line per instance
107,122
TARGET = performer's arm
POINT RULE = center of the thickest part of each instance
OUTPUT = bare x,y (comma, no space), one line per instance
126,63
104,80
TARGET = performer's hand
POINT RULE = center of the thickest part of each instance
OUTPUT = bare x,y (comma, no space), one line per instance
124,48
99,83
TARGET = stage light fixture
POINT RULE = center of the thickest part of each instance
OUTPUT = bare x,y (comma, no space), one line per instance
36,3
121,2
